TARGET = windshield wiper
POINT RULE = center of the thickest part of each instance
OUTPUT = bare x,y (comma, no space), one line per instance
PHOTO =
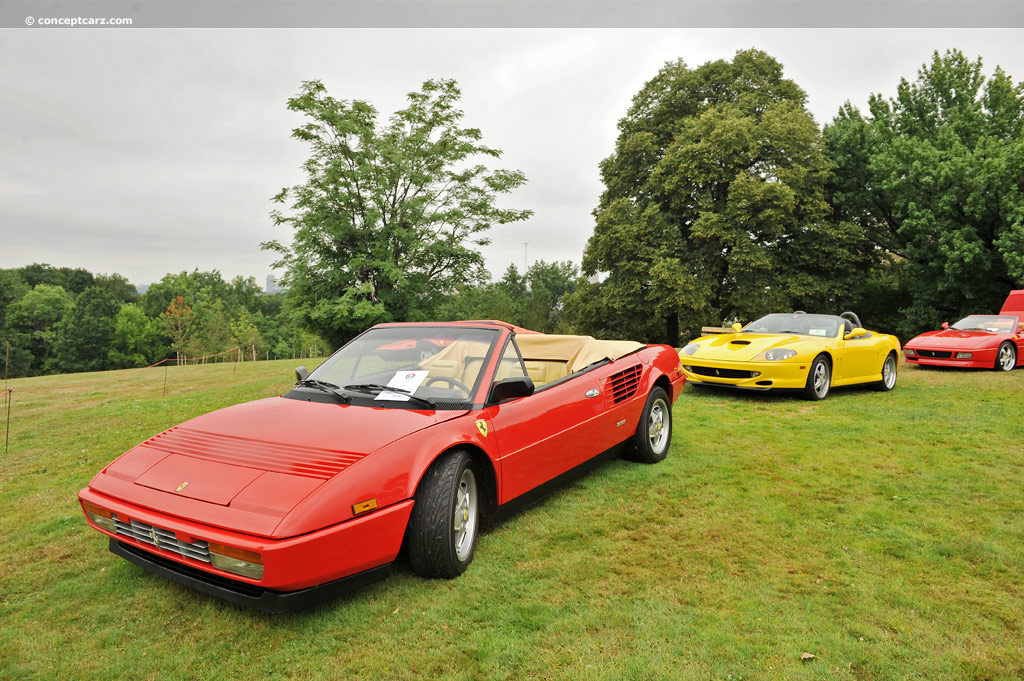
323,386
377,388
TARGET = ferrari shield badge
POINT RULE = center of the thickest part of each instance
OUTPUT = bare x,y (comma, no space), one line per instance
481,425
181,486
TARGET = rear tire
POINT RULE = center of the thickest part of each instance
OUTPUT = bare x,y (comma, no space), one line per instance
445,517
1006,358
890,368
653,435
819,379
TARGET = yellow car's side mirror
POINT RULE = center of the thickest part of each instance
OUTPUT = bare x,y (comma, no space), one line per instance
736,327
856,333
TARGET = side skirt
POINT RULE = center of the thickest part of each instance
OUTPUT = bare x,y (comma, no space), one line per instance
537,494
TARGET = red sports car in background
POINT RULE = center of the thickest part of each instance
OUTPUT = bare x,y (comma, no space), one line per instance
980,341
284,501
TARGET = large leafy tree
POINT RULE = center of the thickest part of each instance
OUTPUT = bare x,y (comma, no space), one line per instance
137,339
935,177
387,220
85,332
35,318
714,206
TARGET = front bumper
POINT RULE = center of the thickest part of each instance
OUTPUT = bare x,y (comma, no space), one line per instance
240,593
980,359
289,565
746,375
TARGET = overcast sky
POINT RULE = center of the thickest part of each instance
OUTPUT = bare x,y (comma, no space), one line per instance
144,152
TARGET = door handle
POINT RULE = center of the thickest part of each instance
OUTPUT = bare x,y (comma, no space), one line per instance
593,392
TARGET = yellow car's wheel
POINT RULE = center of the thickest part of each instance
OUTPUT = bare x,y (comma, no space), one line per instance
819,379
889,368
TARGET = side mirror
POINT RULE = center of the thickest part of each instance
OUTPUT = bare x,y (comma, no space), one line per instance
857,332
737,327
945,325
509,388
301,374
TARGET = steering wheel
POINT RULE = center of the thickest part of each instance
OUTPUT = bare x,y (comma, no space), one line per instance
454,383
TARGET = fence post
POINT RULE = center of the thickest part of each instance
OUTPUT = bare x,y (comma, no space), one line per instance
7,430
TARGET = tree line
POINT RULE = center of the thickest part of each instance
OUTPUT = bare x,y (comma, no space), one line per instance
60,320
723,200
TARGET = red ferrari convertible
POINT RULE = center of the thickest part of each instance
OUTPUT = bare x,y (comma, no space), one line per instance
980,341
282,502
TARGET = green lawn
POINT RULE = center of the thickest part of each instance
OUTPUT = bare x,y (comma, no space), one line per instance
882,532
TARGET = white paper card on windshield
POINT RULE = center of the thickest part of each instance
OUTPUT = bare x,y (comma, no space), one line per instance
403,380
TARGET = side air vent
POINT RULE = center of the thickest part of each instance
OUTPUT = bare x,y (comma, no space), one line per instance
623,385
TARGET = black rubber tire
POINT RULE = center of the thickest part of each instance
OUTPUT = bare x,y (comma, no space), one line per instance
809,392
430,537
640,447
882,386
1012,349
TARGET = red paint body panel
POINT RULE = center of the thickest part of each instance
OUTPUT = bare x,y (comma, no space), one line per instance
279,476
983,345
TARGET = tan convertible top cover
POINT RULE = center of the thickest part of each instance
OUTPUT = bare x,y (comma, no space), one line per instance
577,352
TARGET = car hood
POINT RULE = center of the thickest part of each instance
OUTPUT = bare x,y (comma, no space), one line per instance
955,339
245,467
744,347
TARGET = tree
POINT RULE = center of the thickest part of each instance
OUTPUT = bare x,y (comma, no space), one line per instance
534,300
71,280
137,339
933,177
714,206
85,332
386,221
118,287
246,336
177,322
36,316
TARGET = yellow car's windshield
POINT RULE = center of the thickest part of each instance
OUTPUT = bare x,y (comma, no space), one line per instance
822,325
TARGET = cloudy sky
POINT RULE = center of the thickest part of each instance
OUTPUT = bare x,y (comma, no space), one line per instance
144,152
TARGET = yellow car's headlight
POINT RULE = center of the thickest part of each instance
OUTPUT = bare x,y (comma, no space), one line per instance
691,348
775,355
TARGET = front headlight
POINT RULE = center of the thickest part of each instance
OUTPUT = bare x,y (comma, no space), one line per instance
691,348
774,355
239,561
100,517
964,355
909,352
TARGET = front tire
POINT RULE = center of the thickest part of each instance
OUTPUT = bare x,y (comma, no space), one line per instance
890,368
445,517
1006,358
653,434
819,379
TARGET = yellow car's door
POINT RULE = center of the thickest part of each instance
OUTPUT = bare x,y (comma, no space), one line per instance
860,357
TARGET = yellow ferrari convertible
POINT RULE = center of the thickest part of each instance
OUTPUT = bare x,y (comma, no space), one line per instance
811,353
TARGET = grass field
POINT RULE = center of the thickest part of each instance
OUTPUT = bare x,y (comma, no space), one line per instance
884,533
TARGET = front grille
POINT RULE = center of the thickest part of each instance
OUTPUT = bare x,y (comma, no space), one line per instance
723,373
624,383
162,539
935,354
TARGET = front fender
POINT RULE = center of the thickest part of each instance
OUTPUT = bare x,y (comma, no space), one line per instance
389,475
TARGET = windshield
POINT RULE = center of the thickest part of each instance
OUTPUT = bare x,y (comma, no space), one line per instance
803,324
433,363
983,322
